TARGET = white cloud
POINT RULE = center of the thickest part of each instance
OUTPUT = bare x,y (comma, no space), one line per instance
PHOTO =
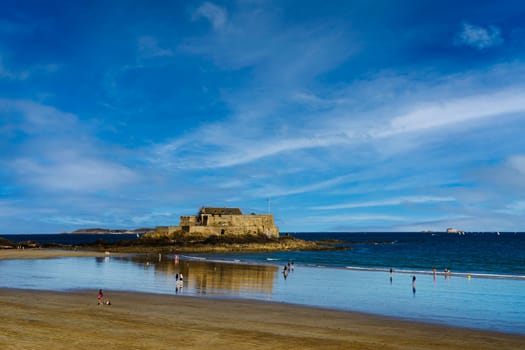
73,174
35,118
279,192
517,162
455,111
258,37
273,147
479,37
346,219
61,153
75,221
387,202
213,13
154,217
514,208
230,143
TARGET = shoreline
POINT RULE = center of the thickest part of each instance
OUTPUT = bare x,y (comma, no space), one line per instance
49,253
40,319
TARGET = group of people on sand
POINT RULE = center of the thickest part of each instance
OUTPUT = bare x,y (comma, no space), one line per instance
290,267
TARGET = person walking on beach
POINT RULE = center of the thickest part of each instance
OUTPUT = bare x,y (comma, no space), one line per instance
100,297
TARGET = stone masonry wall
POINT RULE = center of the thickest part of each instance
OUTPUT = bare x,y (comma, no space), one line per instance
229,224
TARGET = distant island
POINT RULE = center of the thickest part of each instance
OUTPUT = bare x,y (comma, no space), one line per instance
455,231
98,231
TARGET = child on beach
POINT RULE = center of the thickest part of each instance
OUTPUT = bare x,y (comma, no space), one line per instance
100,297
101,300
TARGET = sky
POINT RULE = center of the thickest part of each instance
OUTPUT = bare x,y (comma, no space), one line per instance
347,116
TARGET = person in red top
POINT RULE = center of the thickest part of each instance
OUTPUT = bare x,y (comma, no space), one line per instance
100,297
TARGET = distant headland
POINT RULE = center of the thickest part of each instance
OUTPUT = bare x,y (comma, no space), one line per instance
106,231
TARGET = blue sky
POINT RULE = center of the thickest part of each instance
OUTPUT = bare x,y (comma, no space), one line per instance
346,115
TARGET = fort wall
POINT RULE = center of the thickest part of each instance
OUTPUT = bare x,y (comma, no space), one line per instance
214,221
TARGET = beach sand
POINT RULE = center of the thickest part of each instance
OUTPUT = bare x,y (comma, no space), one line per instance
37,253
73,320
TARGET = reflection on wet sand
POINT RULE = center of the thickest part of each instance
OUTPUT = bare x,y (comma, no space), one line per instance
207,277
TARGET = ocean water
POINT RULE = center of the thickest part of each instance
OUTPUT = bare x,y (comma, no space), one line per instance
475,252
487,253
355,279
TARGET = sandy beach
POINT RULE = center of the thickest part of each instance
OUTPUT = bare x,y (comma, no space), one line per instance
38,253
58,320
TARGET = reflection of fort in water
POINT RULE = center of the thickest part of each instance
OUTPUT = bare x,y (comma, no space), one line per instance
208,276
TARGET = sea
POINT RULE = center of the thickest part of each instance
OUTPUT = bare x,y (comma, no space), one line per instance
395,274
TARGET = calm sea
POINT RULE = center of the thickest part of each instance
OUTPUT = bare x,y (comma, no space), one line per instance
481,253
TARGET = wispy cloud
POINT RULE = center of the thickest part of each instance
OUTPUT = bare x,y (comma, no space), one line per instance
148,46
73,173
81,166
514,208
257,37
35,118
517,162
73,221
6,73
273,191
479,37
455,112
154,217
387,202
352,219
230,143
213,13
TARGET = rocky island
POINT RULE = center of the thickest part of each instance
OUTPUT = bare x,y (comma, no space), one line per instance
211,230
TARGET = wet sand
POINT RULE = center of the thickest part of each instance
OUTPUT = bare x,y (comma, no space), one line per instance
60,320
38,253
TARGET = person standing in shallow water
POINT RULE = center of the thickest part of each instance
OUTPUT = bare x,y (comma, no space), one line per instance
414,285
391,272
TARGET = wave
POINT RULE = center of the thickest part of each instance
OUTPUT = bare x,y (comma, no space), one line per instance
429,272
190,257
276,262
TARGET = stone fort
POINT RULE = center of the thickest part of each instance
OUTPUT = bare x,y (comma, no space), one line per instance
223,221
